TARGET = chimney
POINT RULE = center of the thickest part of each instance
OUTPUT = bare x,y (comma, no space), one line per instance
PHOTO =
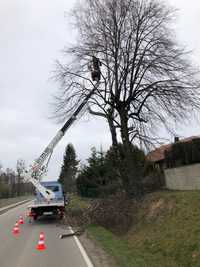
176,139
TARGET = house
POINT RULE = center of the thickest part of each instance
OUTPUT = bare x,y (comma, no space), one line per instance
158,155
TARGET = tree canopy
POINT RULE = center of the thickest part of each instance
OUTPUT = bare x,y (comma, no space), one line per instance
147,77
148,80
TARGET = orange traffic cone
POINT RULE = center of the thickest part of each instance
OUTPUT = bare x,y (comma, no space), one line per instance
41,245
15,230
21,221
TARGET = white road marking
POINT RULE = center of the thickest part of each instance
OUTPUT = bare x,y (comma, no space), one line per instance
82,250
79,245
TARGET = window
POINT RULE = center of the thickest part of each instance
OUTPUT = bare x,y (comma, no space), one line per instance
53,188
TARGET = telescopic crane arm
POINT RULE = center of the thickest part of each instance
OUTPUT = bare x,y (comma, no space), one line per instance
38,163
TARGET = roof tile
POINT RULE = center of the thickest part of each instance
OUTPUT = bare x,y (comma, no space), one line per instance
159,153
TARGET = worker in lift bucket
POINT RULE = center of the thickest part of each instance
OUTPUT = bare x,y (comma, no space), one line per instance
95,69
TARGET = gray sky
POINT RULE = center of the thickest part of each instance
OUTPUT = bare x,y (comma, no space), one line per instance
32,35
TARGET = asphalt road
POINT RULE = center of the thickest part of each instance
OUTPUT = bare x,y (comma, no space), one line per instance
20,251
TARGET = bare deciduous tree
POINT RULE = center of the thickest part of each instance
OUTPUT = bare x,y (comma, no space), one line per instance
147,78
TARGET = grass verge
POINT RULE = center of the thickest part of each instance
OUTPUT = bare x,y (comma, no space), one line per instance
77,202
165,233
118,248
9,201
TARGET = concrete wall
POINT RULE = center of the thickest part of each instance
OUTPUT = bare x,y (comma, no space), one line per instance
183,178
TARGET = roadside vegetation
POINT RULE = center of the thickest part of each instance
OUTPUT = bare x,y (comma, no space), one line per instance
9,201
12,183
69,169
164,231
159,228
101,175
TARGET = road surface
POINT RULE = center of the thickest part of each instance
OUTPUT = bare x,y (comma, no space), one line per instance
20,251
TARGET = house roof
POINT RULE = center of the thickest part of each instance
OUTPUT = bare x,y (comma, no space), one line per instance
158,154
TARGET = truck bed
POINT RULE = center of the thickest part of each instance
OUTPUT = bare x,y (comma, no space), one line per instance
52,203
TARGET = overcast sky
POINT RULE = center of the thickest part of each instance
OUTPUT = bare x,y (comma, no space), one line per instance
33,34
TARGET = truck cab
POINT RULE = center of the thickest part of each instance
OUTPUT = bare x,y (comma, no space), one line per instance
55,206
53,186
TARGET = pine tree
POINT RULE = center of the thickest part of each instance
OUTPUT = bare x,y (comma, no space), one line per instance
69,169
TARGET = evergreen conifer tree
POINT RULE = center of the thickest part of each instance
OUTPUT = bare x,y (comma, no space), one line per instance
69,169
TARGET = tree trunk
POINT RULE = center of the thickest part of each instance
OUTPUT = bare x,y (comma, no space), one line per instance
130,174
110,120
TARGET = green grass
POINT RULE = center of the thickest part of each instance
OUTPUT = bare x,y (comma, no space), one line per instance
118,248
166,233
76,206
77,202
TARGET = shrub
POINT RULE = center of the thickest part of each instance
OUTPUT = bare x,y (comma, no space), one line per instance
4,191
182,154
108,172
114,213
153,178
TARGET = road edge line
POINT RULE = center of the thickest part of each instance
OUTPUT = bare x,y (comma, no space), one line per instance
82,250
